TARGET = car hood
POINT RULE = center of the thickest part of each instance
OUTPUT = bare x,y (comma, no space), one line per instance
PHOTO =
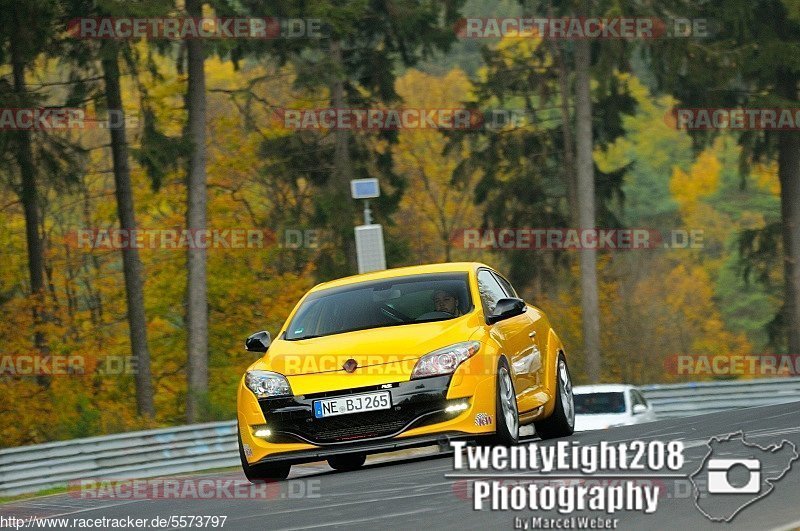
584,422
395,348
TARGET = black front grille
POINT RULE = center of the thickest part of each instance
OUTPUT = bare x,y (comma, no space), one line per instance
368,425
361,425
416,403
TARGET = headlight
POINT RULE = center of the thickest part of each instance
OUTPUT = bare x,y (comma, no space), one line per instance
445,360
267,384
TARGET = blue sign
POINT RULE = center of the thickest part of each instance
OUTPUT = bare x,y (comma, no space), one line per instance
364,188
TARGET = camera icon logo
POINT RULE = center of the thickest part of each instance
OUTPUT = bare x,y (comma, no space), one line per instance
718,482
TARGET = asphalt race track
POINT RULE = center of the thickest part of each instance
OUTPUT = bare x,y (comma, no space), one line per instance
413,493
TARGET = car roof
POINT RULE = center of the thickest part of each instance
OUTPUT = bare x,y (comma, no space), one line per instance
445,267
602,388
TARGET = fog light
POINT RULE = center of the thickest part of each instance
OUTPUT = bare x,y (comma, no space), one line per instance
261,431
456,408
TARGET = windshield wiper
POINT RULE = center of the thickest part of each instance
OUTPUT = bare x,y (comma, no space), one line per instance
312,336
385,325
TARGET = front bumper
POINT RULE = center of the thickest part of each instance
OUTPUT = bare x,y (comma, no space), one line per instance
414,403
319,454
417,418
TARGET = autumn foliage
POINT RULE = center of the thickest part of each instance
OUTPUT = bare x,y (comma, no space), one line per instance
654,303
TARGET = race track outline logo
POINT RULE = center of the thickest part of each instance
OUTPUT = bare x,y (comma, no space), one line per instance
718,498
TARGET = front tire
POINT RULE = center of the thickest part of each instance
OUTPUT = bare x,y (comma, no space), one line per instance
561,423
263,472
347,462
506,411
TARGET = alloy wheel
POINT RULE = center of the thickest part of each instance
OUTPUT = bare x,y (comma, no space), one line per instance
566,393
508,402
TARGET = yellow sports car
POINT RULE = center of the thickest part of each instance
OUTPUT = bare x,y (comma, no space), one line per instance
401,358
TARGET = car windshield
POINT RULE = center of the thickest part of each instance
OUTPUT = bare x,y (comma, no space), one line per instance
381,303
599,403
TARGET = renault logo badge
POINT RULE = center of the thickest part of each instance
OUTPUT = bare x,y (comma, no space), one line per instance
350,365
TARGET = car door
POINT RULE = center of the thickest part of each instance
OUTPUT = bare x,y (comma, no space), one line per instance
528,366
512,333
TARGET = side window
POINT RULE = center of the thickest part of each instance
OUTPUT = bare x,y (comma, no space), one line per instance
507,287
490,290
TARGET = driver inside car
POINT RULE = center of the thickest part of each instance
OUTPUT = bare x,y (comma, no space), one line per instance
444,301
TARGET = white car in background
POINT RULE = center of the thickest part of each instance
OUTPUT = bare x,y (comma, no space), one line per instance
602,406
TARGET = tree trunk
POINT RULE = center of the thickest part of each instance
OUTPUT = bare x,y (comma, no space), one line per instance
557,50
29,195
342,165
586,208
566,133
131,265
197,289
789,175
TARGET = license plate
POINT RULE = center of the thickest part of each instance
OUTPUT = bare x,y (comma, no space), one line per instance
344,405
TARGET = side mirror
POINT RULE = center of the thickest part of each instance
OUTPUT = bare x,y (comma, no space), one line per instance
639,409
258,342
506,308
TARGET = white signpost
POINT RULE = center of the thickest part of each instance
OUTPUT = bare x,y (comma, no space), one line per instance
369,248
369,237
